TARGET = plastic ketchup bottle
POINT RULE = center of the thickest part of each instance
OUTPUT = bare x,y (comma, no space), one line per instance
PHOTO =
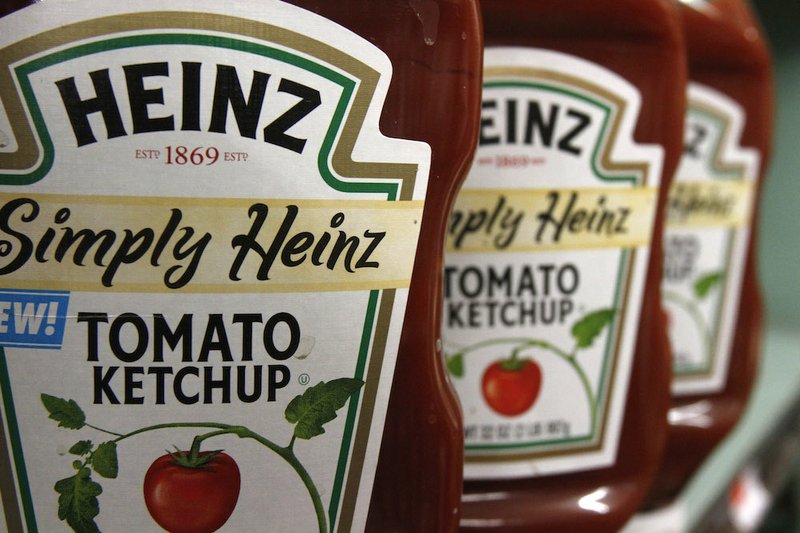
221,235
553,330
710,288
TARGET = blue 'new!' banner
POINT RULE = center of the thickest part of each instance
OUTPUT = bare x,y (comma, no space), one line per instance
32,319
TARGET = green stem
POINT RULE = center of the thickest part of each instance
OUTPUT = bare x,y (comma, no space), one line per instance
492,342
104,430
287,453
572,360
694,313
169,425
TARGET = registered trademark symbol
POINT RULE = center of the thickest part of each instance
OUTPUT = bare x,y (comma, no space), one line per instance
304,379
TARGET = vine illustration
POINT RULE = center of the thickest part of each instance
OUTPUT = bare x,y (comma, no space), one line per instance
511,385
701,289
78,502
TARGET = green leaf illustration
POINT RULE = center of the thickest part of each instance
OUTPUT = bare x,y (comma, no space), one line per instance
318,405
66,412
82,447
705,283
589,327
77,501
104,460
455,365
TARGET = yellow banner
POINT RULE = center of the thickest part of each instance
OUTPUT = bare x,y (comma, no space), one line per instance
709,204
205,245
491,220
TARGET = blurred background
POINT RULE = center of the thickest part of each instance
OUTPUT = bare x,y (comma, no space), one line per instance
779,258
780,208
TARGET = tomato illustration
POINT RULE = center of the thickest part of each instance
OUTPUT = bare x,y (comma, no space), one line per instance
192,499
511,386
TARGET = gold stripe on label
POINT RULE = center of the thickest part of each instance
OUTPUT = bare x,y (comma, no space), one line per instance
506,220
709,204
206,245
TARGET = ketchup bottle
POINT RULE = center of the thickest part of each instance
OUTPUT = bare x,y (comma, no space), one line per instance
222,231
552,327
710,287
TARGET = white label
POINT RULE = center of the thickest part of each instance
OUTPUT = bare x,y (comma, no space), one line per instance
194,249
547,252
708,228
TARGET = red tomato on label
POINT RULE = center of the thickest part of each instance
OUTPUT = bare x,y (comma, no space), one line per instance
192,500
511,389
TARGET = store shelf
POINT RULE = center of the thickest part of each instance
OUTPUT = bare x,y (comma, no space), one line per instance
759,456
761,451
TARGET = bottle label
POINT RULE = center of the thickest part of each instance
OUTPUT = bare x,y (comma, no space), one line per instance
205,244
547,253
705,244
